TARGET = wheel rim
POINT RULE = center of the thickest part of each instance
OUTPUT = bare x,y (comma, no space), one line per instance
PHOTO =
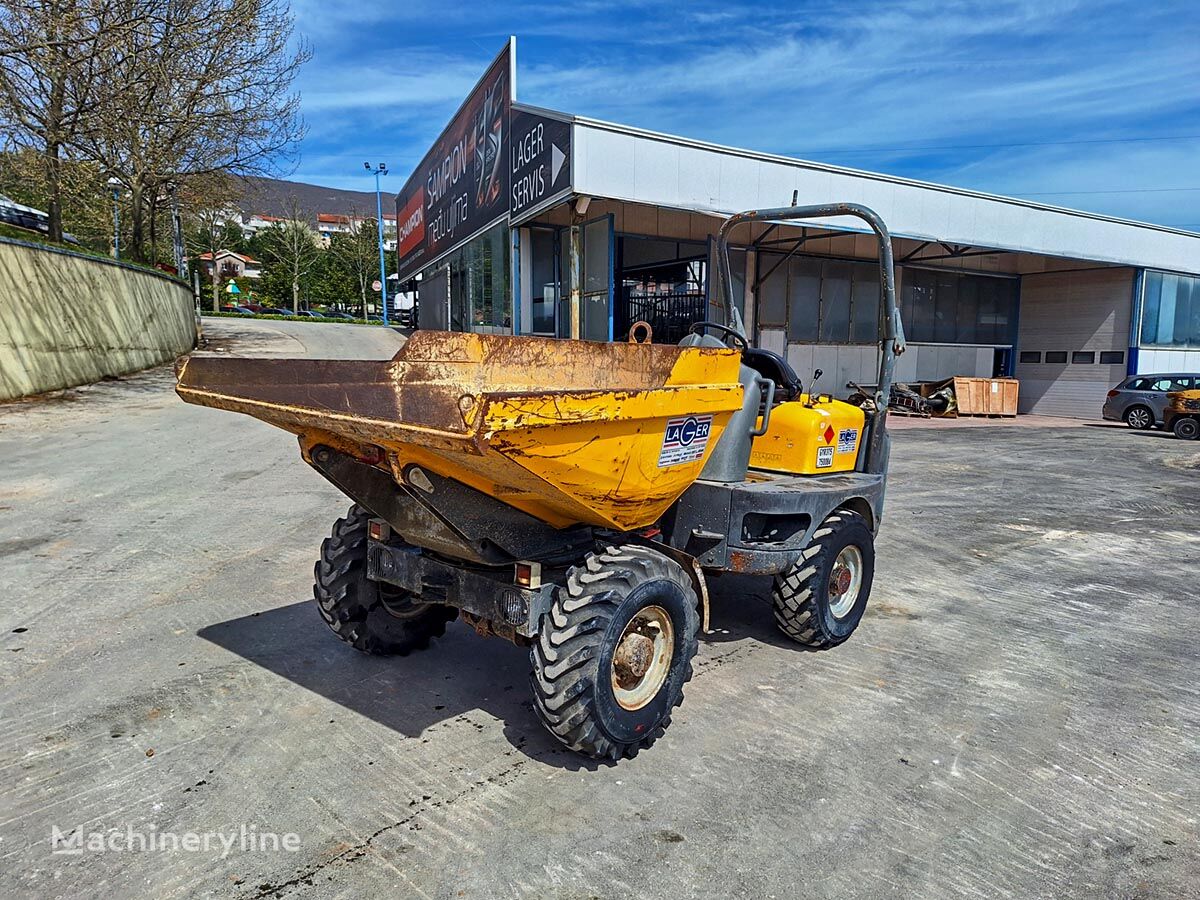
1188,428
642,658
1138,418
845,581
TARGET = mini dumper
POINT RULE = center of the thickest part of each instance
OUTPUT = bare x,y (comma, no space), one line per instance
574,496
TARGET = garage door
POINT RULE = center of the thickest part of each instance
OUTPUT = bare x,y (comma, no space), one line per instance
1072,341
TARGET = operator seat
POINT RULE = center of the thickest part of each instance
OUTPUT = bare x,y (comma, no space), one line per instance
770,364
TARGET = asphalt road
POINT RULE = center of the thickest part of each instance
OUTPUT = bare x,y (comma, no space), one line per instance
1016,717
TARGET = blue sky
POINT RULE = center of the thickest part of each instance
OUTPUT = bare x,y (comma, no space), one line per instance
1093,105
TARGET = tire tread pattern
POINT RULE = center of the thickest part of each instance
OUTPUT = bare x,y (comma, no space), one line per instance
793,594
353,606
564,656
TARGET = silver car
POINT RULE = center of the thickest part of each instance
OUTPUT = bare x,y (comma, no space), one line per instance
1139,400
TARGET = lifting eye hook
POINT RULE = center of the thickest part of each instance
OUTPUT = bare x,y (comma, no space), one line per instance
645,329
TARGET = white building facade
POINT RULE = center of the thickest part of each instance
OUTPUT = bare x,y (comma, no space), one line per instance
1068,302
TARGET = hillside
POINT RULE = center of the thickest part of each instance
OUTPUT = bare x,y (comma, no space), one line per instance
273,197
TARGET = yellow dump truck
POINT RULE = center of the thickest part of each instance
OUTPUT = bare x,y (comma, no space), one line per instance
574,496
1182,414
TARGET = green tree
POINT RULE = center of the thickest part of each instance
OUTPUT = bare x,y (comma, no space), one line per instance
331,279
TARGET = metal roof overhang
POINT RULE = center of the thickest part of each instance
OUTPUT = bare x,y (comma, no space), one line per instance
633,165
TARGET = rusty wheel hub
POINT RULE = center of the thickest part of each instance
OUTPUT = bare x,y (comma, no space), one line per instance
633,657
642,658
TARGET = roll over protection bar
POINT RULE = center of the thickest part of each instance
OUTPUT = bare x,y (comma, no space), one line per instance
891,343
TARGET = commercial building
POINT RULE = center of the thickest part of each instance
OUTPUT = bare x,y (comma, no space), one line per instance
512,199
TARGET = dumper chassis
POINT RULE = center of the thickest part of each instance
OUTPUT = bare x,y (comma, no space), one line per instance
610,614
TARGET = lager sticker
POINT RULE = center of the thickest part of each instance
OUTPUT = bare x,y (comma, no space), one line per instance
684,440
824,457
847,438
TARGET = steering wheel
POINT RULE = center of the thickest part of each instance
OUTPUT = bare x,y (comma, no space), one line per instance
739,342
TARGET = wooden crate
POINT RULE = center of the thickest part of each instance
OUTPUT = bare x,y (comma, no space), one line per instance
986,396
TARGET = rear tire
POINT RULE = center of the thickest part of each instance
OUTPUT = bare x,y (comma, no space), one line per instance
1139,417
614,652
820,600
372,617
1186,429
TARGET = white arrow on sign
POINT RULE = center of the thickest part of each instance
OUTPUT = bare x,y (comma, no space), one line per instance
557,158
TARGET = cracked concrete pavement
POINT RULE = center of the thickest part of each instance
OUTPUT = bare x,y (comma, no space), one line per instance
1016,717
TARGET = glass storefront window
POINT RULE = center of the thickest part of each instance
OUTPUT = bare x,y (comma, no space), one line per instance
951,308
544,281
1170,310
480,294
829,301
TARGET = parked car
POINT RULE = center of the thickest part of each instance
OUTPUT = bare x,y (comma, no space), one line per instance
310,314
240,310
254,307
277,311
1140,400
340,315
1182,415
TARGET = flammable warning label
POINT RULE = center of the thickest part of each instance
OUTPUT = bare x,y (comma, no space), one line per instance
684,440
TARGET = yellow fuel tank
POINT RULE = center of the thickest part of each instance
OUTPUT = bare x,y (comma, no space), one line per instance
806,438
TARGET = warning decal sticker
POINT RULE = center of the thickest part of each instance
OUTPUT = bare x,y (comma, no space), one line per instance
847,438
684,440
824,457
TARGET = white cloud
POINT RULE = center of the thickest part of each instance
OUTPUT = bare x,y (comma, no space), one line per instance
794,79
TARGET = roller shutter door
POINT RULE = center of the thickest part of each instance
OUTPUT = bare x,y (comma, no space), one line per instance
1072,312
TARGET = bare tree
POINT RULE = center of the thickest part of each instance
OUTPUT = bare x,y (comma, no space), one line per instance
54,61
203,86
358,251
292,245
207,205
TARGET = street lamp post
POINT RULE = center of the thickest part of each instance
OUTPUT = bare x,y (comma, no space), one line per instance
176,230
115,184
380,169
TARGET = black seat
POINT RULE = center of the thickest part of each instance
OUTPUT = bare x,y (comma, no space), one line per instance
770,364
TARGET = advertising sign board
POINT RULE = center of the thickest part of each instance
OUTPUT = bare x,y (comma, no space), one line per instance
461,185
541,161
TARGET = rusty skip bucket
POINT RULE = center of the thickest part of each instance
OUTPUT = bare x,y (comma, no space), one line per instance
571,432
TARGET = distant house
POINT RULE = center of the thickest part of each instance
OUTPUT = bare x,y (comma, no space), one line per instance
230,265
329,224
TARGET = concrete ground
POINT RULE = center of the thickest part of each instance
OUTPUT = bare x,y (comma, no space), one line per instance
1017,715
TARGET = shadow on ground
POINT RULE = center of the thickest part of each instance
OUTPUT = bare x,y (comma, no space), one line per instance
459,674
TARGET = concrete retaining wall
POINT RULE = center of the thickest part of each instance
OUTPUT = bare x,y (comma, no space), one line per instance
68,319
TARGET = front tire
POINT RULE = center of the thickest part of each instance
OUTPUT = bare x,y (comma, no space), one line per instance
820,600
614,652
1139,417
372,617
1186,429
